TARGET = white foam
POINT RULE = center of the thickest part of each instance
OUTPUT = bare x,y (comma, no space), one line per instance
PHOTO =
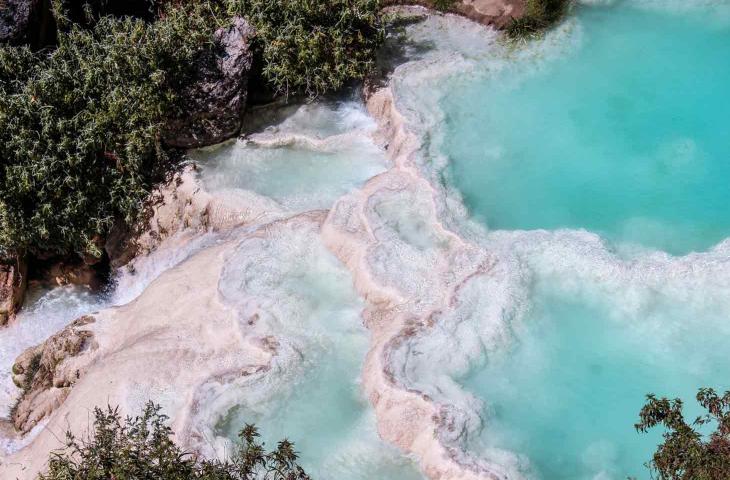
482,314
313,156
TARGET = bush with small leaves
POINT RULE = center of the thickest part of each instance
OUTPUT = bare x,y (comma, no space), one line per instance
311,47
80,127
539,15
443,5
143,448
687,453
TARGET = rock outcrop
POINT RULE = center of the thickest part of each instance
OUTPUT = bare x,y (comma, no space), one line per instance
13,282
45,375
215,101
178,343
120,245
497,13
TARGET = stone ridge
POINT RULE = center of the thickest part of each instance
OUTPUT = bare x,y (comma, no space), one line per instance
497,13
45,375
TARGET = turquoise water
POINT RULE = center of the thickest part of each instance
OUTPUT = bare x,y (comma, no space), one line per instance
569,391
329,421
627,135
329,153
316,400
303,296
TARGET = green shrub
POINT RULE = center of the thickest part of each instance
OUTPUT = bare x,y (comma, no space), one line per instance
142,448
443,5
688,451
80,124
539,15
312,47
80,127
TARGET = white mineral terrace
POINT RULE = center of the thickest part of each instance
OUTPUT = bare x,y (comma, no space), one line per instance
321,270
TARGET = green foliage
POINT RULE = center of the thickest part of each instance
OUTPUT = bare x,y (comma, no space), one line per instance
687,453
80,127
312,47
142,448
33,366
80,124
539,15
443,5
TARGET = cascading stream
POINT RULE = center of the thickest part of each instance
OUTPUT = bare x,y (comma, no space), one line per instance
615,123
493,291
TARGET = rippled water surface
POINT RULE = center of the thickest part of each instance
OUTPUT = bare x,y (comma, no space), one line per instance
569,390
626,135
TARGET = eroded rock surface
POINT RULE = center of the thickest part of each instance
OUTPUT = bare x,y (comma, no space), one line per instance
13,283
178,344
216,100
45,373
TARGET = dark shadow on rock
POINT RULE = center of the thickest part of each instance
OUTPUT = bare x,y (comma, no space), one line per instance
215,101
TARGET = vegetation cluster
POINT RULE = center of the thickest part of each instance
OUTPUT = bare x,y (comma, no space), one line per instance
143,448
690,450
539,15
311,47
80,127
81,122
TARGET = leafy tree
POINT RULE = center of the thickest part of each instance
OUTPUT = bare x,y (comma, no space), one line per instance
311,47
142,448
687,453
80,127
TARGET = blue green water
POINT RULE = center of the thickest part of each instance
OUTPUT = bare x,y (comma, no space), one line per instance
626,136
304,297
569,391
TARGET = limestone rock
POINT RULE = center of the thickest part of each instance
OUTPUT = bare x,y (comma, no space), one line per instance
71,273
216,100
120,245
45,375
13,281
498,13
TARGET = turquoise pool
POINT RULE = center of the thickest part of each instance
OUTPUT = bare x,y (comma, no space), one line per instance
626,135
568,392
